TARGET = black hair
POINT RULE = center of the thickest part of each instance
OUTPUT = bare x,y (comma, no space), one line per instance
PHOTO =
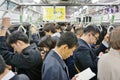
17,35
68,28
49,27
47,41
61,23
91,28
68,38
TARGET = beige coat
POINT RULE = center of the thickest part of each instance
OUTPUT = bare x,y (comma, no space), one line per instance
109,66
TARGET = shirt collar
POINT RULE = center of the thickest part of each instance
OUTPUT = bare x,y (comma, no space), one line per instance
58,54
8,76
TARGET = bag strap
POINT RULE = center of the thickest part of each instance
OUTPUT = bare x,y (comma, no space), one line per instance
76,68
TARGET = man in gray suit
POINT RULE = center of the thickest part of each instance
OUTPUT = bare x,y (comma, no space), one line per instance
54,68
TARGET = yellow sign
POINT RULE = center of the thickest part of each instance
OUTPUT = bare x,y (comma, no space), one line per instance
54,14
48,13
60,13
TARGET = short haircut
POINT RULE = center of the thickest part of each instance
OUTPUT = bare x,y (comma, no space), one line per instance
49,27
61,23
68,38
57,26
114,39
79,31
2,65
69,28
17,35
91,28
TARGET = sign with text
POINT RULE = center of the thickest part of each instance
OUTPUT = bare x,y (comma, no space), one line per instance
51,13
48,13
60,13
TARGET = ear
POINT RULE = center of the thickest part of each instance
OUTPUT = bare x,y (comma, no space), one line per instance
65,46
89,34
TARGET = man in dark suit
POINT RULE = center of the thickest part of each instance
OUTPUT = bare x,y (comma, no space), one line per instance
54,68
27,58
85,56
6,74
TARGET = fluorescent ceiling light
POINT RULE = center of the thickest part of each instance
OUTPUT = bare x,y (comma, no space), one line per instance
94,1
37,1
85,7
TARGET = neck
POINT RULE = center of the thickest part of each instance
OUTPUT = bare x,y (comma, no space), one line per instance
4,73
86,39
49,33
59,51
118,50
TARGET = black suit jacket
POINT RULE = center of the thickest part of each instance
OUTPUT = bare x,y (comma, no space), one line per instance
54,68
20,77
29,62
15,77
86,57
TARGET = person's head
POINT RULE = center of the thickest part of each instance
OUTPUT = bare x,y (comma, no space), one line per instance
2,65
46,44
18,41
58,28
91,34
114,39
66,44
70,28
49,28
62,25
79,32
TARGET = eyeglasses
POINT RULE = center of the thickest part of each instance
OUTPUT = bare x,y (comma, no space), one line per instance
42,49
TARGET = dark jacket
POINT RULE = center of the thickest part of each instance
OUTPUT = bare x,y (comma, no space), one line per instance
70,63
35,38
29,62
54,68
86,57
15,77
20,77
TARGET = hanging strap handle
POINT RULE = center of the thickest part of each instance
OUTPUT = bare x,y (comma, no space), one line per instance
21,27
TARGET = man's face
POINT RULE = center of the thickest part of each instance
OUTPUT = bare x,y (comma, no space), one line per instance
16,47
94,38
69,51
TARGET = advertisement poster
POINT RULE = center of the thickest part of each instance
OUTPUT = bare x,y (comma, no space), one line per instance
48,13
57,13
60,13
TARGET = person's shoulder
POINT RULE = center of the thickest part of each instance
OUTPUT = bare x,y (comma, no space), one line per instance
50,58
23,77
104,58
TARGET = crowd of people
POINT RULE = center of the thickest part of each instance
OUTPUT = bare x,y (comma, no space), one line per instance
64,51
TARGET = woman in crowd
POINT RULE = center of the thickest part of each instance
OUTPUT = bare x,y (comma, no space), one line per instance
45,45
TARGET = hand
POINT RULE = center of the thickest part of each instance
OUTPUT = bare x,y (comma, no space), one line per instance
100,54
75,77
33,29
6,22
106,38
9,67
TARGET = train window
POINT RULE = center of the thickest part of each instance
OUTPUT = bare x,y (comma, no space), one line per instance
1,14
7,5
1,2
11,6
4,6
